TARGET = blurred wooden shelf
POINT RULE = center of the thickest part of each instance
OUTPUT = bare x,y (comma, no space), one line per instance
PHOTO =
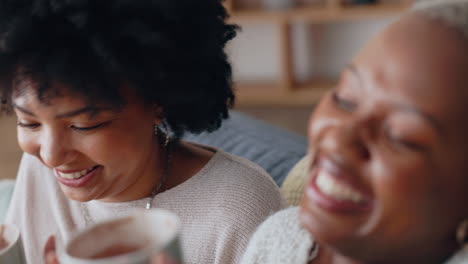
319,14
271,93
346,13
285,91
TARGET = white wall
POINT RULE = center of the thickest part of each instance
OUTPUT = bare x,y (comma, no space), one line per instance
254,53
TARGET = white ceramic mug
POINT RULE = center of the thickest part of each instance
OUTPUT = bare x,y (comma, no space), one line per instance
137,237
14,252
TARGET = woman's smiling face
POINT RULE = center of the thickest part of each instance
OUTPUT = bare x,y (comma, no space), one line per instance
390,170
96,153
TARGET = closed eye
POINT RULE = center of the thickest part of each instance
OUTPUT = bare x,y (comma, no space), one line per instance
408,144
342,103
88,128
405,143
30,126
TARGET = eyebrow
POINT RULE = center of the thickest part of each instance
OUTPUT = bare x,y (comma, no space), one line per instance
426,116
353,69
91,111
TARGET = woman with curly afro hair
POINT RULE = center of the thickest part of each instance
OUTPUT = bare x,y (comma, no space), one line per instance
96,87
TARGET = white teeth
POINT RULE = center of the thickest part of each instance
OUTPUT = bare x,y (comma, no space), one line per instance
74,175
339,191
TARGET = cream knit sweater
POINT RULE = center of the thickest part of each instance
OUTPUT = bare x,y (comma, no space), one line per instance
219,207
281,239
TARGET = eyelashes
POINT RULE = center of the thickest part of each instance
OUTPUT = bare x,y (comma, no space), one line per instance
88,128
30,126
342,103
403,142
33,126
390,135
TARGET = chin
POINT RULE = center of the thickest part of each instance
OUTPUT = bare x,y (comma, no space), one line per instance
328,232
76,195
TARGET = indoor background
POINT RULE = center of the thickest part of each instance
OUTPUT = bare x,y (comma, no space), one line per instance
286,55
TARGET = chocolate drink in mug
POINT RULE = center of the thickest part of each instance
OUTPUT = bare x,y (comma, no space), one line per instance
116,250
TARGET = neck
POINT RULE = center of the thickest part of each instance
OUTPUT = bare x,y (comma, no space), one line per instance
145,180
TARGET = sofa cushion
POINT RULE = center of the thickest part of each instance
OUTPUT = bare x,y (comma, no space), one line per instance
275,149
294,184
6,190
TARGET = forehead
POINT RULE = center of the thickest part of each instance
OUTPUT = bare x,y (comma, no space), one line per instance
420,61
52,98
53,107
63,107
58,95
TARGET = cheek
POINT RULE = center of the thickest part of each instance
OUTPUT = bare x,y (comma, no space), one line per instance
115,148
407,200
101,148
400,178
322,118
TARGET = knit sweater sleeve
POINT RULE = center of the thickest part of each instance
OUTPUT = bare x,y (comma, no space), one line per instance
280,239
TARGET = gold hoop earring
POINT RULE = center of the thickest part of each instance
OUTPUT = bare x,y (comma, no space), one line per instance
462,233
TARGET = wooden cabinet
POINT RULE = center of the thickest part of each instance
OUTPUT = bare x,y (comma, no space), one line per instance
286,90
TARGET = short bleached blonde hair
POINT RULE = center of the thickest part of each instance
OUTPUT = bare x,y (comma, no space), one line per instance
453,13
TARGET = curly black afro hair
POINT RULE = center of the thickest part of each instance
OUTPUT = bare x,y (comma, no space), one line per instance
170,51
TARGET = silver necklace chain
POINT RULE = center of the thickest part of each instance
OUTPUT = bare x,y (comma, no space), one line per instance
164,175
149,204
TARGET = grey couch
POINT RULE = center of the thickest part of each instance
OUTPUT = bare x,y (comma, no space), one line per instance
273,148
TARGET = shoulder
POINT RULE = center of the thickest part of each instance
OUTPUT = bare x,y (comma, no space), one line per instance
227,200
236,187
240,169
231,168
245,181
280,239
243,194
231,160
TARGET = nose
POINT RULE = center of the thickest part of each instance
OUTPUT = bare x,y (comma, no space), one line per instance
54,149
348,139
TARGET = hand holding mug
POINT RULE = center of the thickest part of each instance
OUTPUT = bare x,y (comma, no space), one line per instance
133,239
50,255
